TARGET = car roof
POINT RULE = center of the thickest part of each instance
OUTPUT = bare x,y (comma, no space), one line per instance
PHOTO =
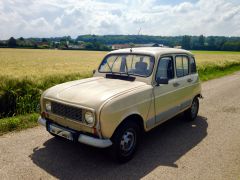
154,51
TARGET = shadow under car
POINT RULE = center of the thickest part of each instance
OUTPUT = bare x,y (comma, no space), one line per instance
162,146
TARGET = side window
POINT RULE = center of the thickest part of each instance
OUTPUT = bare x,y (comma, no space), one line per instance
182,66
165,68
185,66
193,65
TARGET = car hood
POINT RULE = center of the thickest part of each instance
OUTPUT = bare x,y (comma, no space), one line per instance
91,92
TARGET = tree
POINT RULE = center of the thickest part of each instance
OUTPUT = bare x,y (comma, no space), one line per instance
44,40
12,42
201,41
211,43
186,42
21,39
231,46
89,45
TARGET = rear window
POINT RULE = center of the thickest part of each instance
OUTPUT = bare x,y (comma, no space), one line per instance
182,66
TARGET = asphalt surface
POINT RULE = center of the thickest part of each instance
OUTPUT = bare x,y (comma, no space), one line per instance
208,148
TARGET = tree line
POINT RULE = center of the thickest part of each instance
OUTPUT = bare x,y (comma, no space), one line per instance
104,42
220,43
65,43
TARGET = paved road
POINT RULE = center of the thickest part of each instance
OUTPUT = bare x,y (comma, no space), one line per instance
208,148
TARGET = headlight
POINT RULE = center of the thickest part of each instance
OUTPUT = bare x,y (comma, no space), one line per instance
48,106
89,117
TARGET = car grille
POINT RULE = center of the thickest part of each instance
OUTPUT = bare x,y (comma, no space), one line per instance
70,112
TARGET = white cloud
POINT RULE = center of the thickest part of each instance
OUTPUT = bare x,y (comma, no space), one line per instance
31,18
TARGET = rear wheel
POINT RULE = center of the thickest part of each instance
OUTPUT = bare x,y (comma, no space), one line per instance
192,112
125,141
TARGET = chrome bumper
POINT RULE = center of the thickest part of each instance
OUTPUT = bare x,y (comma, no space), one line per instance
82,138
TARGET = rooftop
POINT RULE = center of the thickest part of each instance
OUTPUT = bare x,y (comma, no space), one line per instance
152,50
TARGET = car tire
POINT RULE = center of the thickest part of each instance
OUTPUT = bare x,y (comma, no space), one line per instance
192,112
125,141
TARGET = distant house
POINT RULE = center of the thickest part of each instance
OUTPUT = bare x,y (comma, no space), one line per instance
3,43
149,45
42,43
76,46
178,47
120,46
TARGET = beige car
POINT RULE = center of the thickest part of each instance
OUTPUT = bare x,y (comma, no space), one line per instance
133,91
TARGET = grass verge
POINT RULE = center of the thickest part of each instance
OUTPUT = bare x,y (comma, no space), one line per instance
18,123
212,71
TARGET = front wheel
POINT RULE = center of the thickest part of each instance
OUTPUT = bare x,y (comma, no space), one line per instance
125,141
192,112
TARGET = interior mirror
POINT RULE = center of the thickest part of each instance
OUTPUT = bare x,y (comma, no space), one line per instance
161,81
94,71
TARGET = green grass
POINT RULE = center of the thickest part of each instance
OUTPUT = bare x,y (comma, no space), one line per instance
18,123
212,71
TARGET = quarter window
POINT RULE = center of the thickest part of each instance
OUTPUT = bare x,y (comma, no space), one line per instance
193,65
182,66
165,68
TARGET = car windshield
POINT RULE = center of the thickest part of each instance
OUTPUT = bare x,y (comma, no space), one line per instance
129,64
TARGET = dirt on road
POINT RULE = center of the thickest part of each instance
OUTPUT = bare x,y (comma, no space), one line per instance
208,148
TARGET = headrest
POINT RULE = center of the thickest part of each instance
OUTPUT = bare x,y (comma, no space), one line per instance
141,65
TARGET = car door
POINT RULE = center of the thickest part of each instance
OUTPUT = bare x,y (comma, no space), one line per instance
184,81
166,101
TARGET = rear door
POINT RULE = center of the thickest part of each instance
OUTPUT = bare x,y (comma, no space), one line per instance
184,81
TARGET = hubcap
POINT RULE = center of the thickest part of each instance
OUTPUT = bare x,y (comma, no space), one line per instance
127,141
194,108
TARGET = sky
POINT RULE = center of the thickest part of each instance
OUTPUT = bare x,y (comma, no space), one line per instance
52,18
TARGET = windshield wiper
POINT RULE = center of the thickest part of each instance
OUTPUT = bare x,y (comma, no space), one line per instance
119,76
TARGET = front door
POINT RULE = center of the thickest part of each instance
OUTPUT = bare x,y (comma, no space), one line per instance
166,99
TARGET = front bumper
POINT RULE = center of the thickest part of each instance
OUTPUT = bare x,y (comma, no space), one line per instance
85,139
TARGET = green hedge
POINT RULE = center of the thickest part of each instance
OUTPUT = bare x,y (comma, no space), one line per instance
21,96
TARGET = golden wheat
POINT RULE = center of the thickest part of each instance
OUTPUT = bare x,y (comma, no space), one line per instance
19,63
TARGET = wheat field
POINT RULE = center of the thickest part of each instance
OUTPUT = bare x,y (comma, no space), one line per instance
31,63
219,58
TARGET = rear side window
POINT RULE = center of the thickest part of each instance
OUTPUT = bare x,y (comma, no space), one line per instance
182,66
193,65
165,68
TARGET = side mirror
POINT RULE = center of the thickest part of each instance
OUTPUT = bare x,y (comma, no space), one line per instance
162,81
94,71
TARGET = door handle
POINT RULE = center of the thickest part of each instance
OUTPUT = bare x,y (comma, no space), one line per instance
189,80
176,84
